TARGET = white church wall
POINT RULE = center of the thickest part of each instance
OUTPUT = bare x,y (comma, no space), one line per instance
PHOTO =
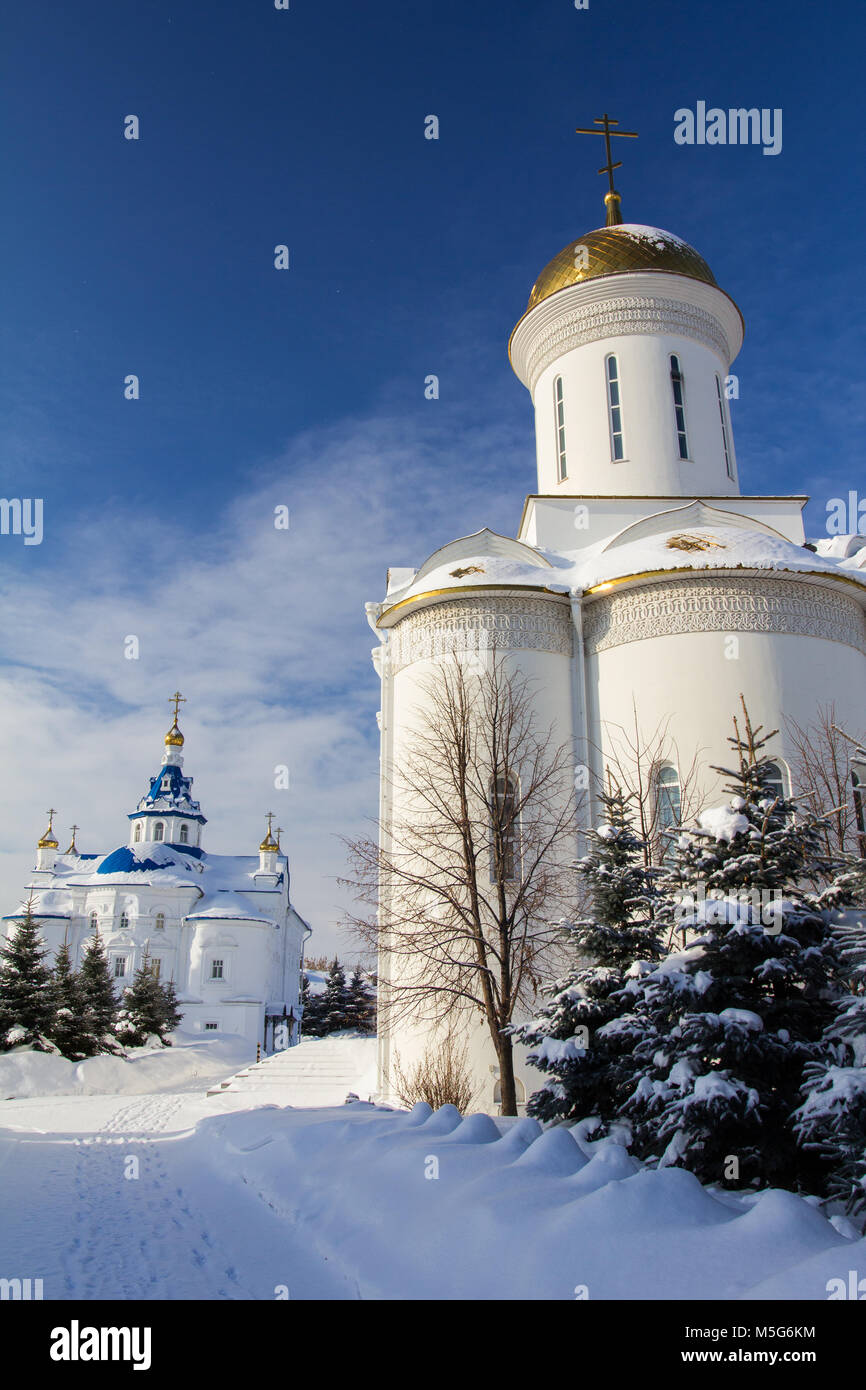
687,681
573,522
552,677
652,464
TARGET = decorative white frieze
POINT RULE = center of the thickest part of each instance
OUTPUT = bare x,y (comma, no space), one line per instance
482,624
611,318
722,604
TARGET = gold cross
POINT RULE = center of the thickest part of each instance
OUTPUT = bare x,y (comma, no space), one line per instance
51,813
270,820
606,122
178,700
279,833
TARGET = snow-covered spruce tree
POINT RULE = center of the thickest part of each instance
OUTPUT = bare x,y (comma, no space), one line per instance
66,1027
145,1010
362,1003
584,1037
336,1000
727,1027
312,1020
25,1006
98,998
831,1125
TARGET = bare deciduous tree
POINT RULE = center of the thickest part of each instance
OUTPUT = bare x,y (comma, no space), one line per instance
824,758
473,873
441,1077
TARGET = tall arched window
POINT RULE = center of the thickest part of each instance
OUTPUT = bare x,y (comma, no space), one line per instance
776,783
137,832
614,410
858,790
158,830
668,804
679,406
183,838
729,462
504,843
160,921
559,405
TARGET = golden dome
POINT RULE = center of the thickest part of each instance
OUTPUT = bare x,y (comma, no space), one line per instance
618,250
49,840
174,737
269,845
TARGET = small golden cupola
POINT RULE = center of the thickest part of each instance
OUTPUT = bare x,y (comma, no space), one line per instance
269,845
174,737
269,849
47,847
49,839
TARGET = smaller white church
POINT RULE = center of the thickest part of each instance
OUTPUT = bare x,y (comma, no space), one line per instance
221,926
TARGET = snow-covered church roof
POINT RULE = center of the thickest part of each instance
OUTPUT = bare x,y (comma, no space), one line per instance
690,537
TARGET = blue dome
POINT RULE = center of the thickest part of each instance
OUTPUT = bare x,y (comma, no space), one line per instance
124,860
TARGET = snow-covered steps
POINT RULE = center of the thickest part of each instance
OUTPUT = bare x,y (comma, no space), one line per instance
318,1072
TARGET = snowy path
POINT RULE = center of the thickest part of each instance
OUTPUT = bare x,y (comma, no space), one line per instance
74,1218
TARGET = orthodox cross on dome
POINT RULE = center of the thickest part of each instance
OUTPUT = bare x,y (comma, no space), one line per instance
72,848
174,735
611,198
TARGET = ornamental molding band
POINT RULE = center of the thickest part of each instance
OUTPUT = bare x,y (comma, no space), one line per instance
724,605
633,314
482,625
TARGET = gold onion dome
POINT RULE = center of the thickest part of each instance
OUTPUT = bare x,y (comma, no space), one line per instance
49,840
174,737
269,845
618,250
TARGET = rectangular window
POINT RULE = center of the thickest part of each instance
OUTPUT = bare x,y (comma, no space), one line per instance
216,970
560,428
679,407
617,450
119,967
156,967
211,1027
729,462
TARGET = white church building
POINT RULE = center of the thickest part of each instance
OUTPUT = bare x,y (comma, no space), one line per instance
642,574
222,927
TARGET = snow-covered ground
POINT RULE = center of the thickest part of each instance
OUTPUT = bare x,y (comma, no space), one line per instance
179,1195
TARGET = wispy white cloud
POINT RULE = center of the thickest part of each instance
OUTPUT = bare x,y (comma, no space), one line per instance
262,629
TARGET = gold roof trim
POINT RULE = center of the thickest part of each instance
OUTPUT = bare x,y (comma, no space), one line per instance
468,588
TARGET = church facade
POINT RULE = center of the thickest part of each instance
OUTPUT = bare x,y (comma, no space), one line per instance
222,927
643,582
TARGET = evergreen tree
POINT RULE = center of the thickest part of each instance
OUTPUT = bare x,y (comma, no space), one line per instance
172,1012
584,1037
312,1020
98,997
831,1125
148,1008
25,1005
726,1028
362,1003
336,1000
66,1026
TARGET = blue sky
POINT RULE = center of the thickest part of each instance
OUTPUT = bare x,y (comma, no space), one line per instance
258,387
